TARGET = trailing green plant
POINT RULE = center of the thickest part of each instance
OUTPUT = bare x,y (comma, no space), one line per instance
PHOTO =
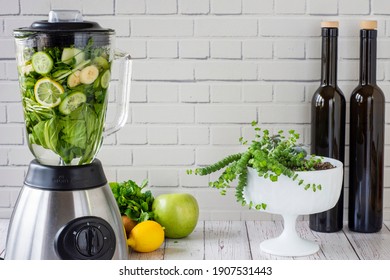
271,156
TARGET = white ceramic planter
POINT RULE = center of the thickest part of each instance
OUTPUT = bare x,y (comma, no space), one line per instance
287,198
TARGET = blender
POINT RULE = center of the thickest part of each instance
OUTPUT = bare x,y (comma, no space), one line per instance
65,209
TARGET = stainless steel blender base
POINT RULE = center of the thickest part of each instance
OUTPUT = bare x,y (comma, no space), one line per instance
66,224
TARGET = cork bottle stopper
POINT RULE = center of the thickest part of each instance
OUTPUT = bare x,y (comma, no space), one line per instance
368,24
330,24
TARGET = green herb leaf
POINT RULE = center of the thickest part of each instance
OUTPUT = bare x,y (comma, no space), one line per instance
132,200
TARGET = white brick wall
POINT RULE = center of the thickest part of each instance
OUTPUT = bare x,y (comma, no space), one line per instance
130,7
380,7
225,27
161,27
9,8
225,7
321,7
203,71
290,7
190,7
355,7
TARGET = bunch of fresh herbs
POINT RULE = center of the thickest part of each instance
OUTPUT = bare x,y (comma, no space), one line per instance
132,200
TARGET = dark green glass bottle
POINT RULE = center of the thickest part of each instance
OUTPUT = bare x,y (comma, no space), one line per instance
328,124
367,130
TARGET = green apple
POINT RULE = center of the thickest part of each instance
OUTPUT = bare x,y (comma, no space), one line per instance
178,213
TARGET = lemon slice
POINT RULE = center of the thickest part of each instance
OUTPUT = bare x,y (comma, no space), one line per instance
42,63
48,92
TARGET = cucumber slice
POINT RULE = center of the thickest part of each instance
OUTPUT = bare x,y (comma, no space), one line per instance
72,56
42,63
72,102
105,79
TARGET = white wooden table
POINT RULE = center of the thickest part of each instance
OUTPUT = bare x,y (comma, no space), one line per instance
239,240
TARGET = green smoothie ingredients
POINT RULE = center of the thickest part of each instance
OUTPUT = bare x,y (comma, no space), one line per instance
64,94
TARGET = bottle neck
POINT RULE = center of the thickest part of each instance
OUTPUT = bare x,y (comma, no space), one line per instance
367,56
329,56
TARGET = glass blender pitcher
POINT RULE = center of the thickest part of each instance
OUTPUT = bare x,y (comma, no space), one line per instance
66,209
64,67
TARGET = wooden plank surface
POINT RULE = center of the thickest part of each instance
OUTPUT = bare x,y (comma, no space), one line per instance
155,255
370,246
335,246
226,240
188,248
241,240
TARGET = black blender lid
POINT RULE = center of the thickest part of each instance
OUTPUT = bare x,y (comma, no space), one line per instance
64,21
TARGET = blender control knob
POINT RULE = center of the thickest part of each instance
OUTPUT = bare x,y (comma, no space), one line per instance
89,241
86,238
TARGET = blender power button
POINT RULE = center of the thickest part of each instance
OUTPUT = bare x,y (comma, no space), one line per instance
86,238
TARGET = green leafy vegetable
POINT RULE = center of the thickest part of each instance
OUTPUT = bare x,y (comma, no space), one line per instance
133,201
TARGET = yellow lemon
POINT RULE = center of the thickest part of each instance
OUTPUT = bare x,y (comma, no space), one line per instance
146,237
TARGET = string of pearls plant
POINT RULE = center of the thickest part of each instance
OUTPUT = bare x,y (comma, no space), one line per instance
271,156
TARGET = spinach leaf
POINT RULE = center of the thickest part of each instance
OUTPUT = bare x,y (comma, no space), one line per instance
75,133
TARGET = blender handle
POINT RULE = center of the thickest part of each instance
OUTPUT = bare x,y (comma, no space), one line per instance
124,96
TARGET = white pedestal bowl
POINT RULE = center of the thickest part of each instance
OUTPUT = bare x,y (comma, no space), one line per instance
287,198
